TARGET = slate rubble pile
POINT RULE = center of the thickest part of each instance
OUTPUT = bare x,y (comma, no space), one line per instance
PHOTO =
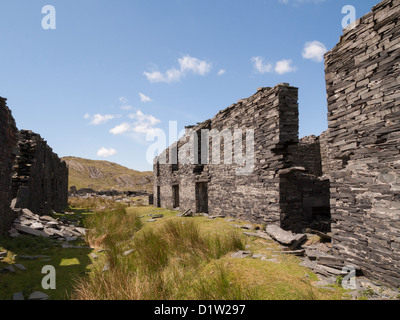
44,226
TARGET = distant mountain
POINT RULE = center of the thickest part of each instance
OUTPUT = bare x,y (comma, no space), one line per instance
104,175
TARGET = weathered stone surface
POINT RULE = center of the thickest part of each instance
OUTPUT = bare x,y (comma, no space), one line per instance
241,254
37,295
285,170
38,187
292,252
360,150
284,237
8,140
258,235
128,252
18,296
20,266
9,269
273,260
39,226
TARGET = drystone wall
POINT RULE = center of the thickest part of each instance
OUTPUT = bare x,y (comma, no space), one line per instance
214,184
8,132
363,86
40,181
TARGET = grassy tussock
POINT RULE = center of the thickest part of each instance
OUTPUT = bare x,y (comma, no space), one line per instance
93,203
110,227
167,264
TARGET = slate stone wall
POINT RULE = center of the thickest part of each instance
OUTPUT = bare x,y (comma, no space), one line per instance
363,86
8,132
40,181
261,196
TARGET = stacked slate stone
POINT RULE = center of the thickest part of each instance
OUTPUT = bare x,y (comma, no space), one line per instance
363,84
8,132
41,175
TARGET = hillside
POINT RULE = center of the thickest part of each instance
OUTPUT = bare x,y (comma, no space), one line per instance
104,175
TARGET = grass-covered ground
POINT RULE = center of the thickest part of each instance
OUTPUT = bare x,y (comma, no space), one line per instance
69,264
172,258
189,258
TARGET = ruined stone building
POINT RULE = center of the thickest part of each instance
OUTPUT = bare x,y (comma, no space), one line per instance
40,181
30,173
8,141
363,142
270,192
346,180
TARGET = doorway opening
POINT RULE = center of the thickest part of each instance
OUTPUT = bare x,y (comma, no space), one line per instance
202,197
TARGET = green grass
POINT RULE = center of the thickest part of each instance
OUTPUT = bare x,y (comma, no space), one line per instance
174,258
189,258
69,264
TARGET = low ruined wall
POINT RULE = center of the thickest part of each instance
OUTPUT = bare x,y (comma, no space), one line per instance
363,84
8,133
40,182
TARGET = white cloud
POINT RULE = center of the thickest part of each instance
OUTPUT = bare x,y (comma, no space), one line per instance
123,100
144,98
281,67
98,119
260,66
120,129
106,152
143,123
221,72
284,66
101,119
126,107
187,64
315,51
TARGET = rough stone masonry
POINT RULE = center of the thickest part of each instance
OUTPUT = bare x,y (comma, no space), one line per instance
346,180
31,175
363,159
284,187
8,141
40,180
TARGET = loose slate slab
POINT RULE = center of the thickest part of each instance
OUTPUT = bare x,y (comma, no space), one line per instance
258,235
18,296
241,254
273,260
20,266
9,269
94,256
292,252
126,253
37,295
285,237
31,231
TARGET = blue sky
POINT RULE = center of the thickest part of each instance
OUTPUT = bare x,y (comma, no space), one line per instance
112,71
